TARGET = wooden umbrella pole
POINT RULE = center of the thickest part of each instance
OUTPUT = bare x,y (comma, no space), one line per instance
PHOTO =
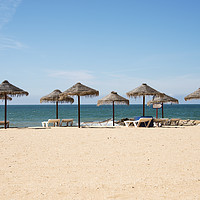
156,113
79,118
56,109
162,111
113,113
143,105
5,123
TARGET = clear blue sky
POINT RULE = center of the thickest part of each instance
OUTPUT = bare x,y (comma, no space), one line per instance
105,44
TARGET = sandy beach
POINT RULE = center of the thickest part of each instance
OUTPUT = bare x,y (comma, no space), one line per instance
100,163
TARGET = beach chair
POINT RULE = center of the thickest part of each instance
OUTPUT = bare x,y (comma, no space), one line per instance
3,122
55,122
100,123
160,122
137,123
174,121
67,121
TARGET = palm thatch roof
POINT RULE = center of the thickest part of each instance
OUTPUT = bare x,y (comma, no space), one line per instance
143,90
8,88
55,97
164,99
3,97
113,97
194,95
80,90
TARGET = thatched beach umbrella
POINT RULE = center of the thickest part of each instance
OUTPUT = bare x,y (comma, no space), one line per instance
113,98
8,89
143,90
194,95
54,97
80,90
3,97
161,100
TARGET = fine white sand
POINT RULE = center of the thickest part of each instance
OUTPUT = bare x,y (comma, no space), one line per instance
100,163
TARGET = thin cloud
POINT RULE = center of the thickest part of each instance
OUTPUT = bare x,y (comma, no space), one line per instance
172,85
7,11
74,76
8,43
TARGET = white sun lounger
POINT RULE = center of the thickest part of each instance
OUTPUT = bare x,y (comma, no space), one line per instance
137,123
67,121
174,121
101,123
159,122
7,123
55,122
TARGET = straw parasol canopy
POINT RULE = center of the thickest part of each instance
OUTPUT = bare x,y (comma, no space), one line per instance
143,90
164,99
80,90
3,97
113,98
7,88
54,97
194,95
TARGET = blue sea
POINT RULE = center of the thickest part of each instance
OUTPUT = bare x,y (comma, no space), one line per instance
33,115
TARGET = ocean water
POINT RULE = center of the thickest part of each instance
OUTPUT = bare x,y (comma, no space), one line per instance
33,115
